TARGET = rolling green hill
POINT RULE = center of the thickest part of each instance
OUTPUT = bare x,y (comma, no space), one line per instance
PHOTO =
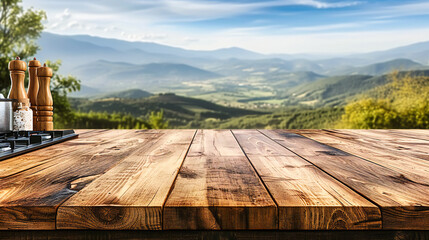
177,109
333,91
329,91
127,94
288,118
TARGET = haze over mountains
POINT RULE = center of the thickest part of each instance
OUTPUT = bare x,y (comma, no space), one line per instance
107,65
120,75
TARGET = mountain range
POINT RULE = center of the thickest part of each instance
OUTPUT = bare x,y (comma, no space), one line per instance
107,65
110,76
383,67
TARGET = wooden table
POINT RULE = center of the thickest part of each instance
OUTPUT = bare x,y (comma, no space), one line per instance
221,180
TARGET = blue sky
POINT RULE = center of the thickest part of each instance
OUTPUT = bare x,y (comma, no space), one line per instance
272,26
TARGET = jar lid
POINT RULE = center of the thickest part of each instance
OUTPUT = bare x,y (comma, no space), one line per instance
2,99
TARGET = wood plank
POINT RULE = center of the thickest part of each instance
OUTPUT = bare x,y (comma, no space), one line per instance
402,145
130,195
307,198
214,143
397,134
415,133
217,188
404,203
30,196
376,151
215,235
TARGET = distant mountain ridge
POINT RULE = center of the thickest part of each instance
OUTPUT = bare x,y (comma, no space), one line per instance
113,76
77,49
107,65
384,67
223,53
75,52
418,52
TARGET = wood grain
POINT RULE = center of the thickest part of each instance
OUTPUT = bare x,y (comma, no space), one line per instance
400,145
415,133
307,198
404,203
29,196
215,143
217,188
121,179
130,195
214,235
379,151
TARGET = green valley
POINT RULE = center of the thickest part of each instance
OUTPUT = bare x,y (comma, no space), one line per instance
145,85
178,110
317,103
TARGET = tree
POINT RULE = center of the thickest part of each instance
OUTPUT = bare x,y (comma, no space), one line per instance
370,113
18,31
401,103
157,121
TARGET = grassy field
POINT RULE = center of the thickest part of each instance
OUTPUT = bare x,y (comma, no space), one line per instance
249,93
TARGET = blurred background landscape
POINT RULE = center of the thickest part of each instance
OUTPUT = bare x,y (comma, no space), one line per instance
365,80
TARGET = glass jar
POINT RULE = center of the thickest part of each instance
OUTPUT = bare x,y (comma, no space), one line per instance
23,118
6,114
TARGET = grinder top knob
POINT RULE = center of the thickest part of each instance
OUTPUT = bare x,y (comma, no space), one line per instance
17,65
34,63
44,71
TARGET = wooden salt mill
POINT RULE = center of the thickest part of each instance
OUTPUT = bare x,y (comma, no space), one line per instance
17,75
33,89
44,100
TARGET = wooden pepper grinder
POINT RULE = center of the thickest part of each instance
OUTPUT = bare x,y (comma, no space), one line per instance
33,89
17,91
44,100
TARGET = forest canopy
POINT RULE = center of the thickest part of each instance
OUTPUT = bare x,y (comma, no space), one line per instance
401,103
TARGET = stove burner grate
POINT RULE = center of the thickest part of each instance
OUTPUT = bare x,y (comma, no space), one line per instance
16,143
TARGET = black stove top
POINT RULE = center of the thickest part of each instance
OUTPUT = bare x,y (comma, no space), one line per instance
16,143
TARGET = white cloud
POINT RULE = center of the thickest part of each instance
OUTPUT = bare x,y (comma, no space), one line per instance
321,4
400,10
149,13
246,31
146,21
171,10
64,15
187,10
73,24
327,27
337,26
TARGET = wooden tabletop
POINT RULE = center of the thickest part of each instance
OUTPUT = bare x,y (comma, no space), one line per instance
221,180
